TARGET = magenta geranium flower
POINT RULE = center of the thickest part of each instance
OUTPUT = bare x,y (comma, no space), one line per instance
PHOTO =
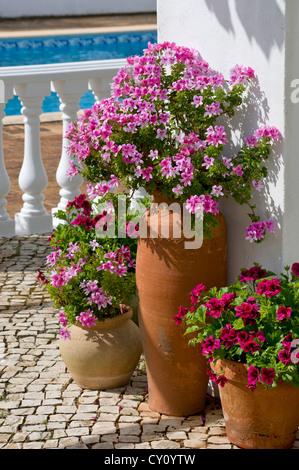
248,311
179,317
268,376
214,308
209,345
265,339
295,269
252,274
227,299
287,341
196,293
41,278
250,346
260,336
221,380
274,287
283,313
80,202
269,287
253,375
285,357
218,380
228,336
242,337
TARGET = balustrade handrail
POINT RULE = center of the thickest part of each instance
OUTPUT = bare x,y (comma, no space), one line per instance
31,83
88,69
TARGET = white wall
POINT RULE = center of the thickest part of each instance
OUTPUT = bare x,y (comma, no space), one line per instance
23,8
262,34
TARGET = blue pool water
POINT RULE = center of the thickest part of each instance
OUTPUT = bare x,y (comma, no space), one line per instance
53,49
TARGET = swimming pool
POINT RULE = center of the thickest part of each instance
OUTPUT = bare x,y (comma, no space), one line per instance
69,48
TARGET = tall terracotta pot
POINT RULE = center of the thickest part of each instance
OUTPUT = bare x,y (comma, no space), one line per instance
166,273
103,356
259,419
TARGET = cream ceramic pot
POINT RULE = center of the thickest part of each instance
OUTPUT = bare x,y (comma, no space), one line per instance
104,356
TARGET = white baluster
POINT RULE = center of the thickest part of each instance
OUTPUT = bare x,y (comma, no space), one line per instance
69,93
101,87
33,217
7,225
139,194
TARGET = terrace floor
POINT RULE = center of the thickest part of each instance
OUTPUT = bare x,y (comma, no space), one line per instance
24,26
42,407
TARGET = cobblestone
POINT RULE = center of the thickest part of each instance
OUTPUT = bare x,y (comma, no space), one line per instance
40,405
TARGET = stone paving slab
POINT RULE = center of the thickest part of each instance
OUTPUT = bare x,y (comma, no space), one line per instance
40,405
76,22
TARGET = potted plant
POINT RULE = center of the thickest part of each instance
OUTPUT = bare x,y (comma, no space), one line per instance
90,276
249,332
159,130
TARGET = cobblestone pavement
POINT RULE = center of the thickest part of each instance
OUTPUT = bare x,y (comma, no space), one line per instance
40,405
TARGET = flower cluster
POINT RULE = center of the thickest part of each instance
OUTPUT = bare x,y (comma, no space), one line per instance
254,322
159,130
89,275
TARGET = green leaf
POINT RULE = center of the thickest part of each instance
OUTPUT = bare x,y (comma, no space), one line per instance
238,324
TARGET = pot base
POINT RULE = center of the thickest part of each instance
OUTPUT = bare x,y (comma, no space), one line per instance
259,419
101,383
259,441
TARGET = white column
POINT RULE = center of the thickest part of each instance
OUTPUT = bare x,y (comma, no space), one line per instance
69,93
139,194
33,217
101,87
7,225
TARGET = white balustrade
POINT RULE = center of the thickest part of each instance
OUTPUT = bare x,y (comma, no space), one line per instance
31,84
33,217
7,225
100,87
69,93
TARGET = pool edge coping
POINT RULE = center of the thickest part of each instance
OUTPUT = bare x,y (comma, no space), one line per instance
75,31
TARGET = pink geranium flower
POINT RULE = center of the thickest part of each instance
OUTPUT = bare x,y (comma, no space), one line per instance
257,185
217,191
65,334
208,162
197,101
87,318
237,170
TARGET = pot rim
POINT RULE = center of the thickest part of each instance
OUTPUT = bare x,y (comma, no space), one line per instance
110,322
237,372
